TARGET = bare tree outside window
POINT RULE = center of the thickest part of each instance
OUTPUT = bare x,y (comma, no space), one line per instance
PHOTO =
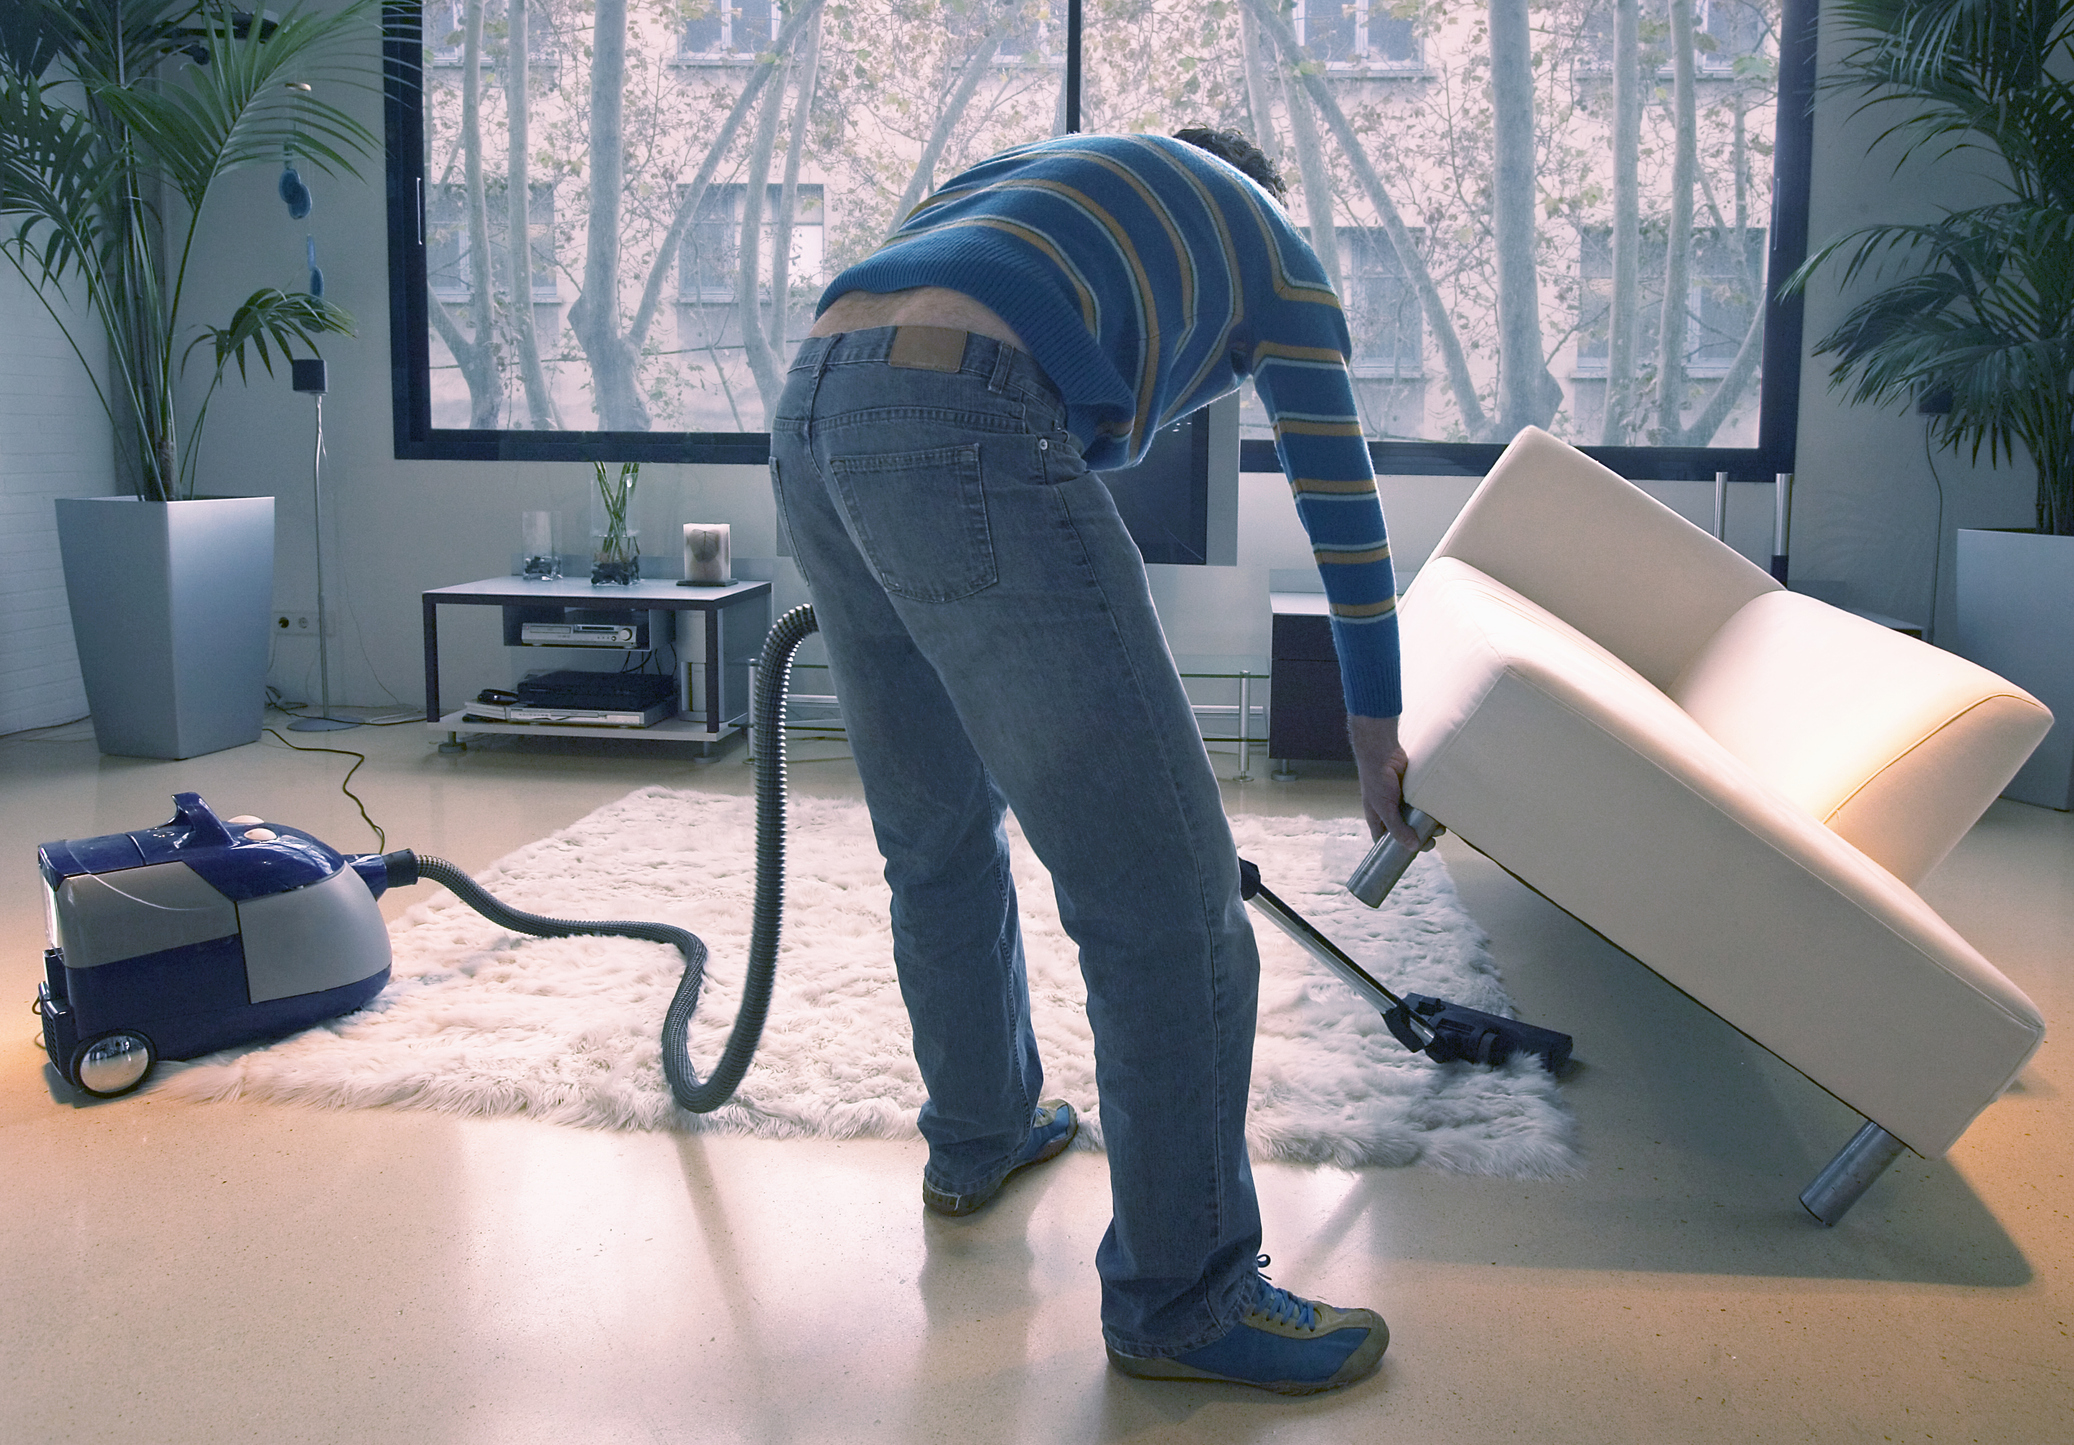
1552,212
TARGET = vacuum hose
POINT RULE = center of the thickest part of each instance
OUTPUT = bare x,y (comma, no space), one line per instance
773,677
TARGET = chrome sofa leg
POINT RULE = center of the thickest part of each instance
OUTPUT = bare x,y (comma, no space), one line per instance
1387,860
1851,1173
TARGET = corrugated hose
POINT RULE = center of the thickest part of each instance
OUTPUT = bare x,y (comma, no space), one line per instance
773,677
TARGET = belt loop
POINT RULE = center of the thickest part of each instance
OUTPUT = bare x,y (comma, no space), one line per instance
1004,367
818,349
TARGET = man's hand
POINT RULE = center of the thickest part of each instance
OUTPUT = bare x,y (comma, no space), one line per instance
1381,762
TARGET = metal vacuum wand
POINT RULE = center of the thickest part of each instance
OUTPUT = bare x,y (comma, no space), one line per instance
1441,1030
1312,941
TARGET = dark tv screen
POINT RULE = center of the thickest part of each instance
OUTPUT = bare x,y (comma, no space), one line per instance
1181,502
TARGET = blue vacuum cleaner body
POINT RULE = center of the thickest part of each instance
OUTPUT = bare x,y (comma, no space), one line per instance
209,932
198,935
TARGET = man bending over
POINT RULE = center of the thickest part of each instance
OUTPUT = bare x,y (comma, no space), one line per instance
994,645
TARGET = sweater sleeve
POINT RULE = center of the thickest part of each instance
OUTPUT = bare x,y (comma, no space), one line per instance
1318,439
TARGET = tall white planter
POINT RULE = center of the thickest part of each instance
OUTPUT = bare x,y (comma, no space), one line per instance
2016,618
170,606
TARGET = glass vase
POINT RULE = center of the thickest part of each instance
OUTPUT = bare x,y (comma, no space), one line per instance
616,557
616,547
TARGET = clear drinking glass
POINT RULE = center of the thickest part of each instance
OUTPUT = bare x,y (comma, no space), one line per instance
540,546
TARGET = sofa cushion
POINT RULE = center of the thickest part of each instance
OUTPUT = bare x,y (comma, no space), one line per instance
1897,746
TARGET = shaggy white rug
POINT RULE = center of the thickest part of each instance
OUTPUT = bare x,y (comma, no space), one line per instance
478,1021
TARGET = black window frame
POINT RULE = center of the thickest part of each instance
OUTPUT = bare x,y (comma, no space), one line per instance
416,439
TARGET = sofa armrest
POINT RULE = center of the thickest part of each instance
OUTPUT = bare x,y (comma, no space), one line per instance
1897,746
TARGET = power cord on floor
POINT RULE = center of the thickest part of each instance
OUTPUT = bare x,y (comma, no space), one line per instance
35,734
281,704
381,838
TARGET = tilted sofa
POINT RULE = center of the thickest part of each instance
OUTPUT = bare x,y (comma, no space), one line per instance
1738,785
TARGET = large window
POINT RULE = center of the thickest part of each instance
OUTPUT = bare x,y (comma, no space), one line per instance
696,170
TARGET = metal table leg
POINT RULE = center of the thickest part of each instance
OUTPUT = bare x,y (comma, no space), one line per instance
1245,774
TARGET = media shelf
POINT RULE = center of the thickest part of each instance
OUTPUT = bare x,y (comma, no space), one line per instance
715,646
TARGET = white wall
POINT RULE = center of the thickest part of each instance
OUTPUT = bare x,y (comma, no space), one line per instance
1864,513
1866,501
54,442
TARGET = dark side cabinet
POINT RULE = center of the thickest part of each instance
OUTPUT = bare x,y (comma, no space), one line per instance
1307,712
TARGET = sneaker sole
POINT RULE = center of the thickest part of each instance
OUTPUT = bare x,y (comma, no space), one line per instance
1174,1370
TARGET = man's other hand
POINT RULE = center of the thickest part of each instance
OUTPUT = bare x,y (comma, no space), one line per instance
1381,761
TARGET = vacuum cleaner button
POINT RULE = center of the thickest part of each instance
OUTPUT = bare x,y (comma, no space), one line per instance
261,835
244,820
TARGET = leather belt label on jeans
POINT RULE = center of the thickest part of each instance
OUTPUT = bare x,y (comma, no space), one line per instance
927,348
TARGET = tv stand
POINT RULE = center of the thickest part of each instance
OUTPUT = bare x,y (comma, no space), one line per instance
713,663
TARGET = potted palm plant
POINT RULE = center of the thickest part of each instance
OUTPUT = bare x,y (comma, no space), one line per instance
118,121
1973,321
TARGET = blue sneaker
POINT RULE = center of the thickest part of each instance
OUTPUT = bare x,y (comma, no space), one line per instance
1290,1345
1051,1129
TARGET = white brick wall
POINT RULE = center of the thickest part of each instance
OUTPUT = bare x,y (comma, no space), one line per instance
54,442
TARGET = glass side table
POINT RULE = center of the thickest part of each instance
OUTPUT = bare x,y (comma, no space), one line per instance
818,714
1227,722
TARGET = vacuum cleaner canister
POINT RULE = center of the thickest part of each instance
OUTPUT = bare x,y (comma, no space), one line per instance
204,933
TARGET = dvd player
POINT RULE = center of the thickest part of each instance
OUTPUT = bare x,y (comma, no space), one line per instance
567,717
597,691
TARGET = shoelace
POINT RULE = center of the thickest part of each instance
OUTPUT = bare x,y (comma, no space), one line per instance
1279,1304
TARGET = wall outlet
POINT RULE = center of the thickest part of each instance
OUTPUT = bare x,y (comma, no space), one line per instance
295,624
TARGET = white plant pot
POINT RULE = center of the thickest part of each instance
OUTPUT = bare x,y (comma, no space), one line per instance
2016,618
170,605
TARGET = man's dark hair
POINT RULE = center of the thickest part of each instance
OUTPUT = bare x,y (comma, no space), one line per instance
1229,145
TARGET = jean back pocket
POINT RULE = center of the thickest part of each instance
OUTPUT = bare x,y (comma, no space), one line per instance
920,519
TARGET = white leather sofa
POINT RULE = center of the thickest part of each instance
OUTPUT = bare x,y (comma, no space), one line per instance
1737,784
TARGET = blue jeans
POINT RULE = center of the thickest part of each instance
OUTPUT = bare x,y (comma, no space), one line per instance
993,644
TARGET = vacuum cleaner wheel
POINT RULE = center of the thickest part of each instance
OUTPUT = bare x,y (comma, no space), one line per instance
113,1064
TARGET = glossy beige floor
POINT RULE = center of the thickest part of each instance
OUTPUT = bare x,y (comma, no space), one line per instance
236,1272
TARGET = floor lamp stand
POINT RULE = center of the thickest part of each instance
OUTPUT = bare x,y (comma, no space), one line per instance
309,377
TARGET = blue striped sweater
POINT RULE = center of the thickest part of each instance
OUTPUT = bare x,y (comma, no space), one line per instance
1148,278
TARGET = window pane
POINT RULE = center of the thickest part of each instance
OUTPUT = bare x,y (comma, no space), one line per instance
1328,30
1416,257
705,28
677,344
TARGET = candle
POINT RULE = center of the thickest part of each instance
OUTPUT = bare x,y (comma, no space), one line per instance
706,560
